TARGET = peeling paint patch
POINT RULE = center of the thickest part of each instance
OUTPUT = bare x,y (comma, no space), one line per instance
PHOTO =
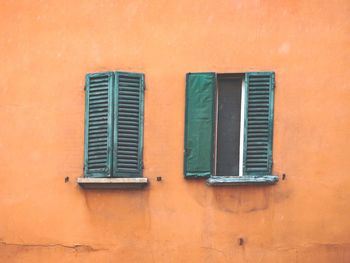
242,200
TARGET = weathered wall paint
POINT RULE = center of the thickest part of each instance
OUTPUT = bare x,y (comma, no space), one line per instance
46,49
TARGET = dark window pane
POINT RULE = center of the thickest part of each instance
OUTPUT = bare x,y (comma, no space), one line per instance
228,127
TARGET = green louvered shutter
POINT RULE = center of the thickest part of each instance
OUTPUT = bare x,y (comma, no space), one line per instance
199,124
128,119
258,123
98,125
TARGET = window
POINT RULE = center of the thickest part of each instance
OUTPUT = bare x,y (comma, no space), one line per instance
228,131
113,128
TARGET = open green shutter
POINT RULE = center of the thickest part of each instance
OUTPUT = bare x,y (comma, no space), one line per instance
259,90
199,124
128,125
98,125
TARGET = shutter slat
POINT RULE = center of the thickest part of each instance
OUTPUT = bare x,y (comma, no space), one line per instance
98,84
98,122
127,148
129,120
257,159
129,98
96,80
97,142
98,88
129,169
133,92
98,95
258,86
100,109
128,131
129,109
91,128
98,101
130,86
124,113
127,152
98,128
128,144
97,115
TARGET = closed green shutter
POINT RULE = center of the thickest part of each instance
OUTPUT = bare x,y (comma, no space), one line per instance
259,89
199,124
98,125
128,119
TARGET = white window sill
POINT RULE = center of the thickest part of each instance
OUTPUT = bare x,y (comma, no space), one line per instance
242,180
112,183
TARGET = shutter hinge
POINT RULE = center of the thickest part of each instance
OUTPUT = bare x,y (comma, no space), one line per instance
84,88
143,83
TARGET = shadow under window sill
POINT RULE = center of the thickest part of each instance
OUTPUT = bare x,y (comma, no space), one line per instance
112,182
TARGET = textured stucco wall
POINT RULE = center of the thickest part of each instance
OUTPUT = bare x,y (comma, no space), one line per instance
47,47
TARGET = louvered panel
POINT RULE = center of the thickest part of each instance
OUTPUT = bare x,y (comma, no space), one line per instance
258,123
129,122
98,117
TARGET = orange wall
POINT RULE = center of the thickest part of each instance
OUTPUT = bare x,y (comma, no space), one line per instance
46,49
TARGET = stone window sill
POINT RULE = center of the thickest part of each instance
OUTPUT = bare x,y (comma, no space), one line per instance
242,180
112,183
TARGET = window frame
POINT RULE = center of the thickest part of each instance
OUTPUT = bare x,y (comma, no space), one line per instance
110,177
243,178
199,151
240,76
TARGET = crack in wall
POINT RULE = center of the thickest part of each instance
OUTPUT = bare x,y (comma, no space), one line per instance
214,249
76,248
